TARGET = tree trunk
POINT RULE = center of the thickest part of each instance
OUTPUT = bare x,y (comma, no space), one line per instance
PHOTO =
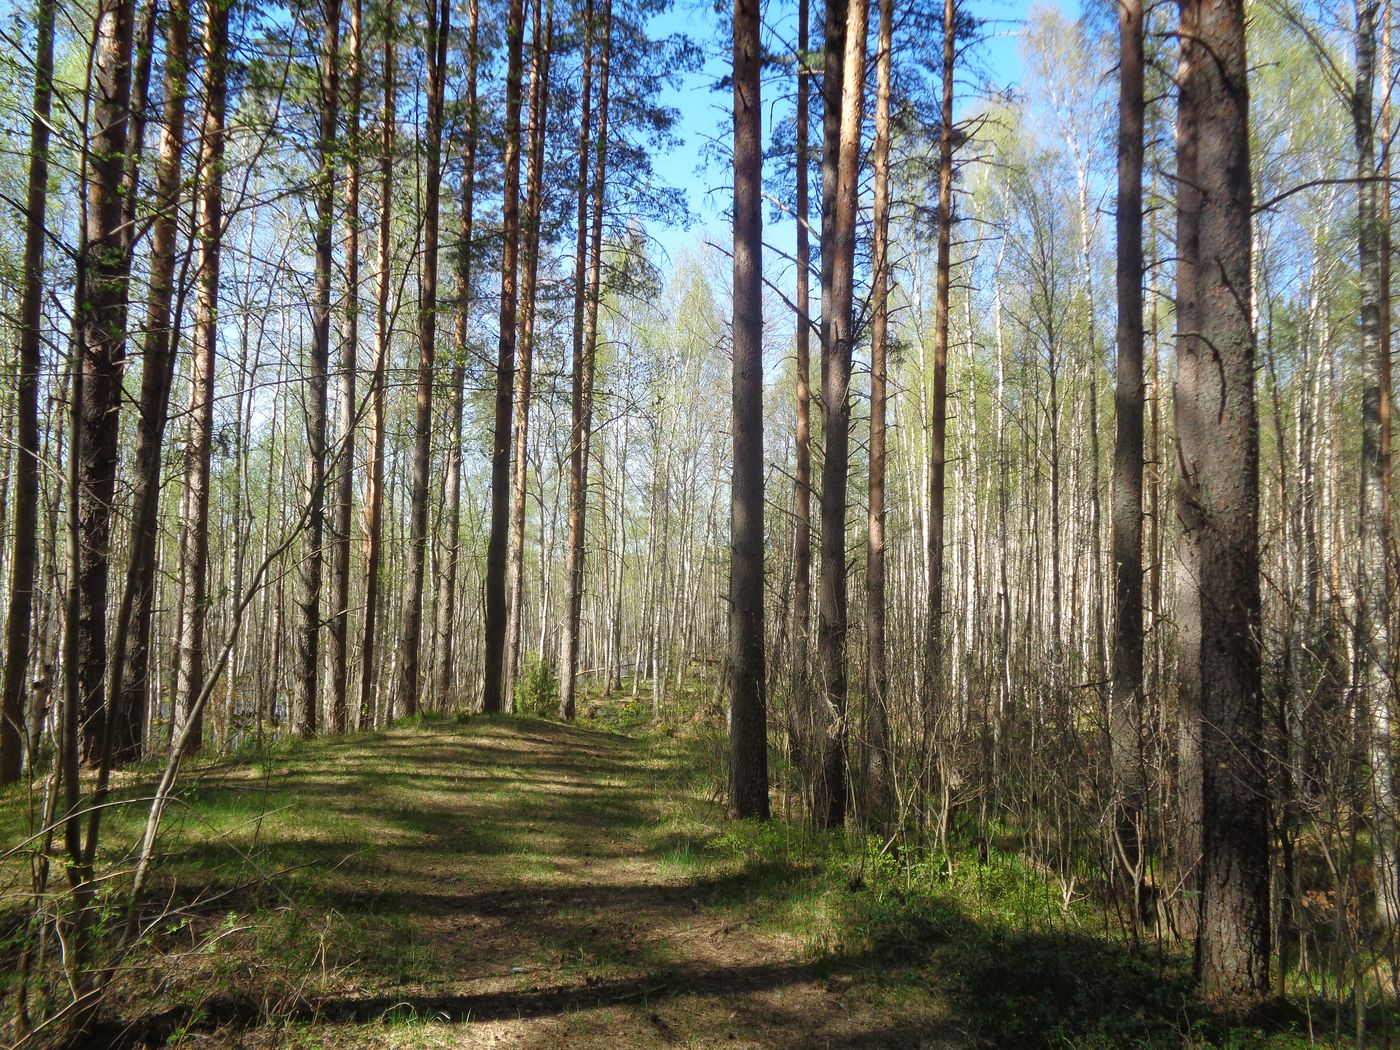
309,591
524,365
1125,714
878,772
578,457
24,558
1373,642
452,511
748,754
374,488
194,553
938,430
1219,464
845,98
493,677
101,322
439,16
339,633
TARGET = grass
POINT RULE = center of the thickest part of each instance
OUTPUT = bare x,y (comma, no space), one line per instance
582,886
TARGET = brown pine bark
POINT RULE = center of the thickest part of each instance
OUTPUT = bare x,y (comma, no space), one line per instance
938,424
439,14
494,657
194,552
157,377
1219,473
104,266
338,634
24,556
748,736
1125,713
845,99
801,721
445,648
309,580
878,772
578,455
374,488
524,365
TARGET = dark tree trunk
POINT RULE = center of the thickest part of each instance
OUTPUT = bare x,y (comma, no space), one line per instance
938,425
1125,714
436,42
578,457
493,684
24,557
748,754
845,99
1219,461
452,499
309,590
878,773
524,365
101,324
374,489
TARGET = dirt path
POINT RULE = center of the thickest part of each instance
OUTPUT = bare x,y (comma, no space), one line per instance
514,884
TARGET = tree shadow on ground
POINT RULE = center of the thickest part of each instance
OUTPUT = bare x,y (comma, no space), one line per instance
510,872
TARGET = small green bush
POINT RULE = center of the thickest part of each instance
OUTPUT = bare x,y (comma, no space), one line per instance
536,689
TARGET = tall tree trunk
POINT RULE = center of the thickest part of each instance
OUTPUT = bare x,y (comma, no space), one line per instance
1219,463
101,322
524,364
802,493
436,43
748,735
194,553
493,683
877,680
1188,687
24,558
1125,715
309,589
845,99
938,427
157,377
341,512
374,488
578,457
452,498
1373,604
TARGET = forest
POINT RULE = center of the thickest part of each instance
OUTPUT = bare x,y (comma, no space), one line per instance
609,523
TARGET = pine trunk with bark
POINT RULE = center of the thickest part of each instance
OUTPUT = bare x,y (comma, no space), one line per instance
1125,713
194,552
312,556
445,648
525,357
374,487
24,556
748,753
494,655
844,88
1219,478
439,13
104,270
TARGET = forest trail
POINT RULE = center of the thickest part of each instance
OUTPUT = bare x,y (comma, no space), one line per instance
510,883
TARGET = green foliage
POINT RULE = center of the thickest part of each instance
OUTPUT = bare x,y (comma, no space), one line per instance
536,689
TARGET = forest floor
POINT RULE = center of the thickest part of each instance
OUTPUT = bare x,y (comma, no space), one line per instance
514,882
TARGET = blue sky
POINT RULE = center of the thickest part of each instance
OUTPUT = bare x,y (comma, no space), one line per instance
703,110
